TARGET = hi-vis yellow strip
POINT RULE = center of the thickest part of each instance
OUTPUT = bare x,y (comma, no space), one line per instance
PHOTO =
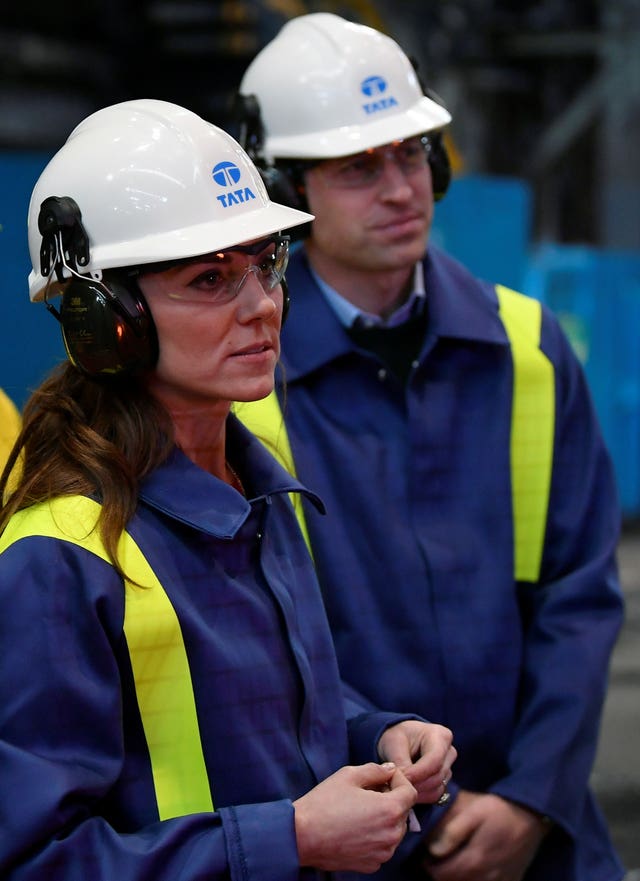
264,419
156,648
532,430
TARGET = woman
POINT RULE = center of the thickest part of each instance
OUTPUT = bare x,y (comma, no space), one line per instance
170,703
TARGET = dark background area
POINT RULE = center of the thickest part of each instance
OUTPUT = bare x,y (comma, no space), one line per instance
547,91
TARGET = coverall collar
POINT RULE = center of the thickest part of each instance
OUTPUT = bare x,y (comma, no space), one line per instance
185,492
460,306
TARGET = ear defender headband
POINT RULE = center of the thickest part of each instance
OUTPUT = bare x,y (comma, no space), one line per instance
107,328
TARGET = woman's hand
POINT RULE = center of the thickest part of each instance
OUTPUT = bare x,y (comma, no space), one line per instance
424,753
355,819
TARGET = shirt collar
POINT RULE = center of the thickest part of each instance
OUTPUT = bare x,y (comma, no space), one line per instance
348,314
461,306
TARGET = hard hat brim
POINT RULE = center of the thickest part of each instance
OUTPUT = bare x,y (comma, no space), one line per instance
425,116
176,244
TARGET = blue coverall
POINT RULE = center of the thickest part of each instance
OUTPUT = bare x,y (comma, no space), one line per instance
77,796
415,555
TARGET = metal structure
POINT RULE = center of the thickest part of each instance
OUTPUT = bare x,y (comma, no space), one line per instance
545,92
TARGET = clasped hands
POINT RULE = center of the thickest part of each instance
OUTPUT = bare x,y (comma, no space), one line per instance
356,818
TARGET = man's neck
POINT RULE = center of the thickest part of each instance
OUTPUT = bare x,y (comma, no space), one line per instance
379,292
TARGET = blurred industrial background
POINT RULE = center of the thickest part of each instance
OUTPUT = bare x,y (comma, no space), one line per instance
545,139
544,90
545,98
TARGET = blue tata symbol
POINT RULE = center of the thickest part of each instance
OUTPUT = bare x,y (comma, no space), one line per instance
226,174
373,85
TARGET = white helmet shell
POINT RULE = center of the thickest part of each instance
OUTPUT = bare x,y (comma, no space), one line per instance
155,182
328,87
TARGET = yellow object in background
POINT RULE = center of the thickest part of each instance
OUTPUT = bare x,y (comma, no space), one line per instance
455,157
10,423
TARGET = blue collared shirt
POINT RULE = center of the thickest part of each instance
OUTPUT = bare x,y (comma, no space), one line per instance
348,314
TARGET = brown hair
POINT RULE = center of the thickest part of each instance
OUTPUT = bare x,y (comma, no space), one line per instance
87,437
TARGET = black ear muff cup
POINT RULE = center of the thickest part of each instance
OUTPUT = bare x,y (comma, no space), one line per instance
107,328
439,164
286,301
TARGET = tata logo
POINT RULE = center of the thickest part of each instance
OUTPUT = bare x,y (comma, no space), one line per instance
374,87
227,174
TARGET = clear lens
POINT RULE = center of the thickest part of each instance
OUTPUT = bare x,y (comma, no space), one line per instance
218,277
366,168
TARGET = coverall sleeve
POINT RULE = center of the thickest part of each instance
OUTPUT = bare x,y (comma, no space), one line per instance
62,744
366,724
572,616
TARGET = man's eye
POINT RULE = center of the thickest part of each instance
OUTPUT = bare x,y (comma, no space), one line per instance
267,263
360,166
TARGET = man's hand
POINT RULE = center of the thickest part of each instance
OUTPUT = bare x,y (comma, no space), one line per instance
424,753
483,837
354,820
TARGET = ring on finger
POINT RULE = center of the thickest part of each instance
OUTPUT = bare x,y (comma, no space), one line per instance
444,798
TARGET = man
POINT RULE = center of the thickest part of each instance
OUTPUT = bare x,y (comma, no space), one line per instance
468,556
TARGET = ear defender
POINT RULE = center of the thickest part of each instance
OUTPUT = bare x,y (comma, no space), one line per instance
286,301
281,185
439,164
107,327
437,155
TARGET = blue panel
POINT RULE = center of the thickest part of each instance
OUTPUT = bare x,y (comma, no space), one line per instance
596,296
30,341
485,222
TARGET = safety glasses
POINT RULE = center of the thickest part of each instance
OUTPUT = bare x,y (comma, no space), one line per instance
218,277
365,169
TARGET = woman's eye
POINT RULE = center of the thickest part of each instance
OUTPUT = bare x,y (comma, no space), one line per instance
209,279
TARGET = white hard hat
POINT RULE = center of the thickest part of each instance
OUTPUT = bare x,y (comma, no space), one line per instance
328,87
154,182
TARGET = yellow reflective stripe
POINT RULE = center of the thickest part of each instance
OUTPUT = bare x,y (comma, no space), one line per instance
158,657
164,690
264,418
532,430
